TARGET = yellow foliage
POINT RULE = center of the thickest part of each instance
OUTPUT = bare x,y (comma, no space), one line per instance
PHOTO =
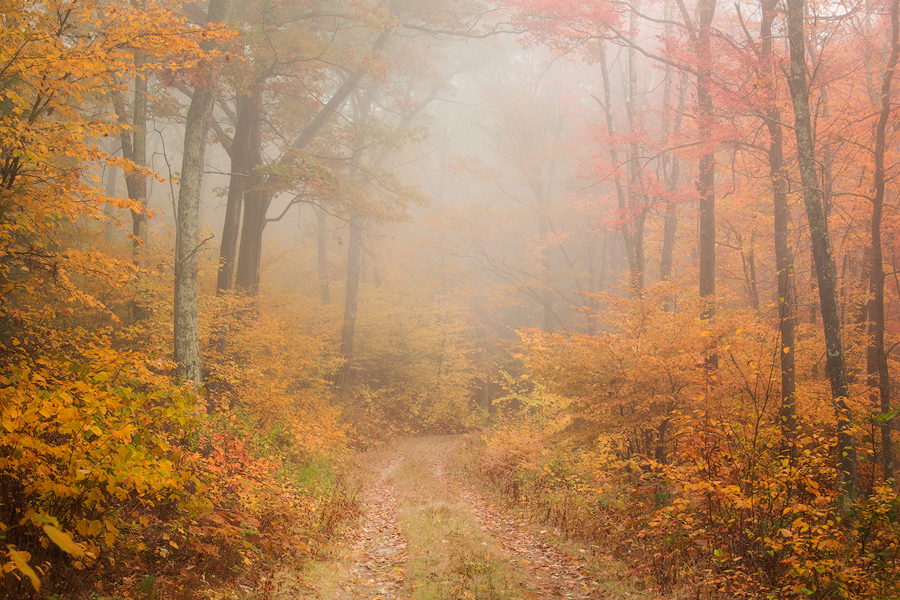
415,365
638,442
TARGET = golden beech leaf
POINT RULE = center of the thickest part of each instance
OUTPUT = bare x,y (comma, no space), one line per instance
22,564
62,539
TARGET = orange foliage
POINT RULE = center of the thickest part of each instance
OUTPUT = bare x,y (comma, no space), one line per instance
627,437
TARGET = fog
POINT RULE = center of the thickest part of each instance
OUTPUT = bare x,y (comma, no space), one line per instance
525,163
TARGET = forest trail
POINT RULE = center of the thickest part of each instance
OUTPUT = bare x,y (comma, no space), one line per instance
427,535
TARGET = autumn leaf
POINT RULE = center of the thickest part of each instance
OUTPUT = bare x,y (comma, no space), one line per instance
62,539
22,565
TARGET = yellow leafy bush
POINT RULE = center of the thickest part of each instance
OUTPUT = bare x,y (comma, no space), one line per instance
90,433
683,470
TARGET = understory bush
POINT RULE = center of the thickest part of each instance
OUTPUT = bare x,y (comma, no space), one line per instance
684,472
113,470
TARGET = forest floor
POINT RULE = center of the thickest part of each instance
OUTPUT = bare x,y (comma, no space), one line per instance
426,534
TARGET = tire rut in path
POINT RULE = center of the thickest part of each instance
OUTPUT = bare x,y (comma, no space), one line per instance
372,563
376,567
549,572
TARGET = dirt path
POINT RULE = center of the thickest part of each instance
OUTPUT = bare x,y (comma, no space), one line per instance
427,535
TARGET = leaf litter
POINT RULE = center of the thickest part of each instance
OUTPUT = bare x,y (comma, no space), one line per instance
376,561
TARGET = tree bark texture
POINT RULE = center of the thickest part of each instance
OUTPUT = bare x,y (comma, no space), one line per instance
826,271
876,358
784,266
134,148
244,148
256,206
246,156
187,219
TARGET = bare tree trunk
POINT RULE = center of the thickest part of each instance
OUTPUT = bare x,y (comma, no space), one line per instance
322,239
671,170
351,300
783,259
826,270
637,205
706,179
614,160
134,148
187,220
670,164
257,199
876,358
256,206
245,157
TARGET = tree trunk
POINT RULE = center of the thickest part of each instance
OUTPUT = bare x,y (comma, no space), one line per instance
637,206
614,161
187,219
876,358
826,271
351,300
706,179
134,148
257,199
546,274
748,258
670,165
256,206
246,155
246,144
136,181
671,170
110,180
322,238
783,260
862,313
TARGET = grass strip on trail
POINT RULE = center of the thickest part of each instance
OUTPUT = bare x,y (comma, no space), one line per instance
429,535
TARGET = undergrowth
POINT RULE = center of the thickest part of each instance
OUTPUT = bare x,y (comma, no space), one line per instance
118,481
629,441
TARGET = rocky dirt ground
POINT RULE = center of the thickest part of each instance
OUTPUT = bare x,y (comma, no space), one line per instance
429,535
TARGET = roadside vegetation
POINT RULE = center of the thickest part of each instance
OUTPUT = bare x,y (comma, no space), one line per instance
646,250
684,473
